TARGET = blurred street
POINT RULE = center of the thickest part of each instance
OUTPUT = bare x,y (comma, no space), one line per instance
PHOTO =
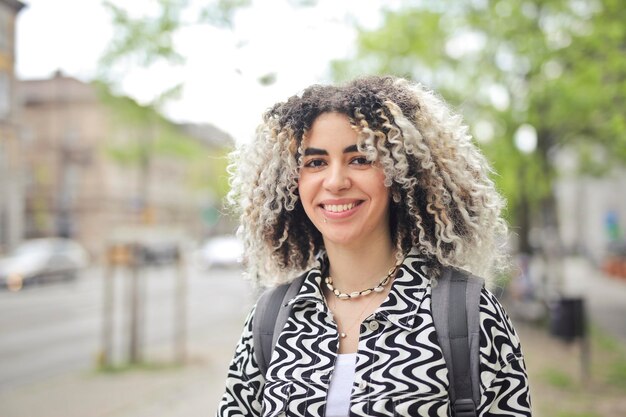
57,328
51,336
51,339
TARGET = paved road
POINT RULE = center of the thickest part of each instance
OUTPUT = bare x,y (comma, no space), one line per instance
56,329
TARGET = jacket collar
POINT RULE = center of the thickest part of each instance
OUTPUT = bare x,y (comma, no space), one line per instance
402,303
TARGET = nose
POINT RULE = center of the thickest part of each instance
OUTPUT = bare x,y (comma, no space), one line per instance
337,179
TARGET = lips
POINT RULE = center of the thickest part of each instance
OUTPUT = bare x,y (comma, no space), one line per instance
338,208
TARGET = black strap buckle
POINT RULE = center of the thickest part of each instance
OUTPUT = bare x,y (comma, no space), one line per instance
464,407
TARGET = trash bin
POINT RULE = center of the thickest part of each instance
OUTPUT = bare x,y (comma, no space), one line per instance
567,318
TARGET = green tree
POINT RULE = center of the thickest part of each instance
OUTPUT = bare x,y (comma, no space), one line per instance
145,42
553,66
206,167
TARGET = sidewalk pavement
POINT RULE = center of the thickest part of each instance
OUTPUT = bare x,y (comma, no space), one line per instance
605,296
151,391
195,389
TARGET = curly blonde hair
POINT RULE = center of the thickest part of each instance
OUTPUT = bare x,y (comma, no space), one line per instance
443,202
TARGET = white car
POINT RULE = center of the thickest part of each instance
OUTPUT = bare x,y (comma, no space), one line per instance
221,252
39,260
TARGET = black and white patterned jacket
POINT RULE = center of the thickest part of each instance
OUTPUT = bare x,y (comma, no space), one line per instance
400,370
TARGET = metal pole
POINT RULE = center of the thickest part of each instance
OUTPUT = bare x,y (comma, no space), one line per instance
107,314
585,345
134,343
585,359
180,311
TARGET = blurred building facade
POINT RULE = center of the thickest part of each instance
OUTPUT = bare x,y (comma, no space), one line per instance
75,188
592,212
11,196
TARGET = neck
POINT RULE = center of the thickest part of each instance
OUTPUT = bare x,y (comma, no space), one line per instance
356,268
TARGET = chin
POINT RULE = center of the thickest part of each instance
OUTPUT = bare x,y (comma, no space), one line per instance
343,239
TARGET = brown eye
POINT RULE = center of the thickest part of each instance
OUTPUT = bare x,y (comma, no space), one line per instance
314,163
360,160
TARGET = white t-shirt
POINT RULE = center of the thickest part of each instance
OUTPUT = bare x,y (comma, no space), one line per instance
338,398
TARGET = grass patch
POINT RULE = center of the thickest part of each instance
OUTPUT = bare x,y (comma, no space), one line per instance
603,341
609,356
557,378
616,374
556,381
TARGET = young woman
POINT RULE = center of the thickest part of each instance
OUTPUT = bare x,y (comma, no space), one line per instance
369,189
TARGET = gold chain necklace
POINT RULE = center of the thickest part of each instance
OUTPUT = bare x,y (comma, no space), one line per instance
344,334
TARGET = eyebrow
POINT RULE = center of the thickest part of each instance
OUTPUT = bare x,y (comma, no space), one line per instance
318,151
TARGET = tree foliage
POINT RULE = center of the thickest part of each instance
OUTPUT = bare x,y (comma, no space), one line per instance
155,136
148,39
145,41
556,65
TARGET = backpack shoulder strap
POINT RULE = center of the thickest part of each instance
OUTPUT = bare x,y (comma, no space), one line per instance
455,307
270,315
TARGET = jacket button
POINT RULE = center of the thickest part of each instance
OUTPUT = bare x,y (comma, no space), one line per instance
362,384
373,325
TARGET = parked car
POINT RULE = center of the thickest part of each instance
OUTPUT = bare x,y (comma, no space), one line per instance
160,253
38,260
221,252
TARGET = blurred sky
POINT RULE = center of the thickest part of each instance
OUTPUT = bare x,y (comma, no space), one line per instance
223,66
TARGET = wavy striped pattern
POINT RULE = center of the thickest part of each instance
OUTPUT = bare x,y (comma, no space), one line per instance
400,370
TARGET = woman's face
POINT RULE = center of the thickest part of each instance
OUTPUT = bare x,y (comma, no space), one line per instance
342,192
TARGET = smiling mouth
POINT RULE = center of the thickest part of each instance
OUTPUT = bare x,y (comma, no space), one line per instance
339,208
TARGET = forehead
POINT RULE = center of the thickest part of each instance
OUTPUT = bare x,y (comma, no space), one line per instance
330,130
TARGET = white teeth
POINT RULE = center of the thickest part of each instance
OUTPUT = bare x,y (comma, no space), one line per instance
337,208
